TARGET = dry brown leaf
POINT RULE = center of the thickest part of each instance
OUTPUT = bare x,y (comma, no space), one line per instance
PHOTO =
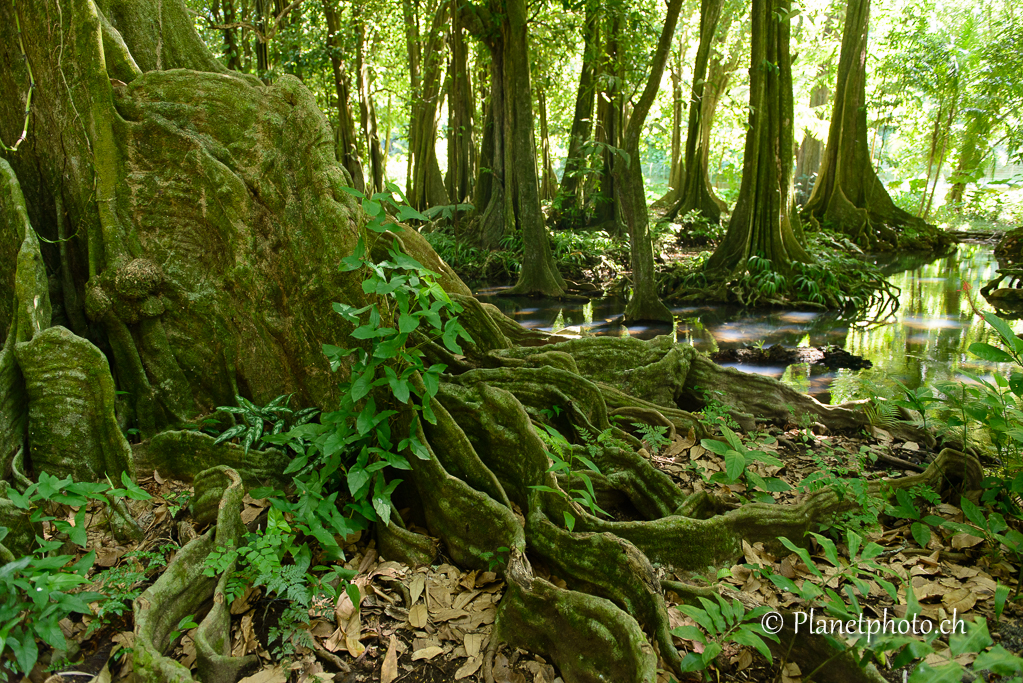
962,599
473,642
245,640
418,616
469,668
427,653
463,599
389,669
790,673
964,540
416,586
743,661
274,674
353,634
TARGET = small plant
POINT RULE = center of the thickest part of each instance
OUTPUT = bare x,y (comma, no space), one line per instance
567,460
186,623
273,418
737,458
721,622
41,587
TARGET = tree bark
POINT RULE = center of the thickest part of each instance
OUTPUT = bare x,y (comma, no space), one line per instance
460,114
515,192
345,141
644,304
582,119
426,183
696,193
367,112
548,180
764,222
848,196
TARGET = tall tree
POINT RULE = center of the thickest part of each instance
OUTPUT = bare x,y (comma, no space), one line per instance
426,64
460,116
582,118
848,196
764,221
696,193
514,201
345,140
628,171
372,151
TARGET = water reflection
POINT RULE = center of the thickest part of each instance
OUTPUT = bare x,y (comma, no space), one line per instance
925,341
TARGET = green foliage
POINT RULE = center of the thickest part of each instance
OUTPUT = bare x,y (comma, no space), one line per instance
123,583
569,461
276,561
353,451
721,622
42,585
737,459
273,418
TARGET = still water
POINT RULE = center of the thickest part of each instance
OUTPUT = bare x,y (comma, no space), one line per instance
926,340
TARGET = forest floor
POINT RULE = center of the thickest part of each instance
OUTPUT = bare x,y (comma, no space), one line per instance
432,624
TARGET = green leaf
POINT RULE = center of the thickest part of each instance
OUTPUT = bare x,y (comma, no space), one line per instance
989,353
999,661
689,633
406,212
946,673
1001,593
921,534
1005,332
976,638
973,513
361,386
735,463
569,520
743,636
715,446
25,650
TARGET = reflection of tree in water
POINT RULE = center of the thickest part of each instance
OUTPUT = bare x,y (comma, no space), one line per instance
926,339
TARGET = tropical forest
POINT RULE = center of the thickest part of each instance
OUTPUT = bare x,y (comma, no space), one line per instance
511,341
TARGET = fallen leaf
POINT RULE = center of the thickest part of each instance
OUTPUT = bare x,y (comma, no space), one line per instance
416,587
964,540
962,599
353,633
418,616
473,642
274,674
427,653
389,669
469,668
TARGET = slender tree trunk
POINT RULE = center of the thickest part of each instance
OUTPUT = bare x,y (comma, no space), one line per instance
644,304
427,182
610,115
764,222
675,175
548,181
972,153
460,112
345,140
262,46
941,157
367,112
811,150
696,193
231,49
848,196
582,119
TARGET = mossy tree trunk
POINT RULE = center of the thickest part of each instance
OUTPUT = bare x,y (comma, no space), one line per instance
582,118
695,193
764,222
514,201
628,173
848,196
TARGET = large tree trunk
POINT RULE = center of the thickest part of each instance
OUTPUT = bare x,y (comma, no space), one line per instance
696,193
582,119
426,183
644,304
514,200
205,215
764,222
848,195
972,152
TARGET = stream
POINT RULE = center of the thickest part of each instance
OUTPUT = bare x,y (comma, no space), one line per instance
926,340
